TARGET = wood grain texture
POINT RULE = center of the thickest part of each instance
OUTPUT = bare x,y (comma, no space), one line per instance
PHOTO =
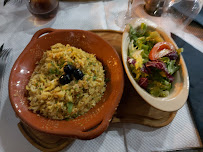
42,141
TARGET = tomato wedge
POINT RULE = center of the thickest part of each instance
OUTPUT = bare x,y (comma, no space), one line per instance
160,49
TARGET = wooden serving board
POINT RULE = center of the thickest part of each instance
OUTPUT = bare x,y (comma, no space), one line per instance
42,141
132,109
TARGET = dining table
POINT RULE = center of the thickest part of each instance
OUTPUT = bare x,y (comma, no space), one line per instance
17,26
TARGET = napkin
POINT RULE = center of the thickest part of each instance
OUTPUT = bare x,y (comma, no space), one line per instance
194,61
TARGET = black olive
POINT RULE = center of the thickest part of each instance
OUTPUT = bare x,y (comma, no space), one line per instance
68,69
78,74
65,79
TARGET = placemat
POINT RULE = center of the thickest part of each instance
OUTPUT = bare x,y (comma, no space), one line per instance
194,61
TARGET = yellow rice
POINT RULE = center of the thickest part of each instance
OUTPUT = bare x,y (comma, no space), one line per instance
53,100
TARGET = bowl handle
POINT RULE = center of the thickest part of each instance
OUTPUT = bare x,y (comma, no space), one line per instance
93,133
41,32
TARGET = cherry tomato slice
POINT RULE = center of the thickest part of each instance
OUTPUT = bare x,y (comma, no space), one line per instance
160,49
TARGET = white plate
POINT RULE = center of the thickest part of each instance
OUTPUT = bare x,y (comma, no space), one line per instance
180,87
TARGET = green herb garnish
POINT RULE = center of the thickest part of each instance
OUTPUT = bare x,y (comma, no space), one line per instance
70,107
54,71
94,78
57,71
52,63
88,78
51,71
78,95
69,62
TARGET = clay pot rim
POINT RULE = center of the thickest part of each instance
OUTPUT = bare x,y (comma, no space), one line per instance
75,133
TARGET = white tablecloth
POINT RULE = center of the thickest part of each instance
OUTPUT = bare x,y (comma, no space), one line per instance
16,30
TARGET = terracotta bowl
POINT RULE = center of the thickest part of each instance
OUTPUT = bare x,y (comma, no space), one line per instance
180,87
95,121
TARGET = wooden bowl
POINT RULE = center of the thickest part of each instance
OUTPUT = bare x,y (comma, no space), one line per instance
95,121
180,87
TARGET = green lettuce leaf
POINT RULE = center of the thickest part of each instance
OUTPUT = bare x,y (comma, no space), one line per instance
172,67
159,89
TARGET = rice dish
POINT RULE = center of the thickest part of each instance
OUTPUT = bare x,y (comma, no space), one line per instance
49,98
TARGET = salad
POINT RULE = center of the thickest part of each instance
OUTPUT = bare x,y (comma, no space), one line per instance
152,61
